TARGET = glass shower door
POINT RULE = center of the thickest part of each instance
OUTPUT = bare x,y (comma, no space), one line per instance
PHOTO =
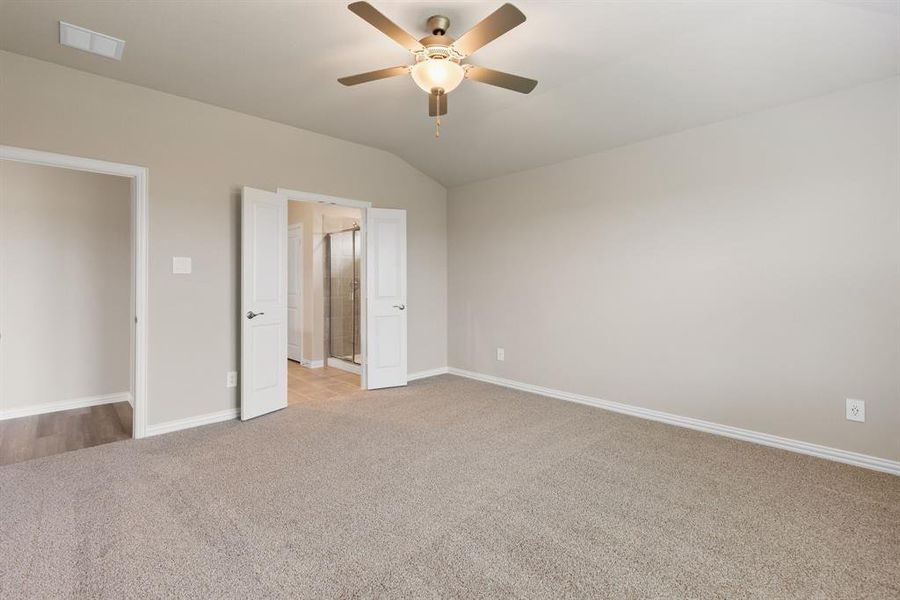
343,306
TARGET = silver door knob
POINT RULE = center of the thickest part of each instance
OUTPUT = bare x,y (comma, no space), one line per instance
251,314
400,306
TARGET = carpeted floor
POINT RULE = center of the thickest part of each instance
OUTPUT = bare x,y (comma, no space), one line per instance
447,488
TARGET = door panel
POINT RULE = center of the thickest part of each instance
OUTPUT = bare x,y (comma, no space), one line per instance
265,220
387,266
264,346
263,302
388,330
386,298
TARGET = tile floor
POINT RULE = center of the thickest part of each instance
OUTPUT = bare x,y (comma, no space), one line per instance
326,383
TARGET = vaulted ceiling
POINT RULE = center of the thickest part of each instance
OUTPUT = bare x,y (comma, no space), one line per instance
610,73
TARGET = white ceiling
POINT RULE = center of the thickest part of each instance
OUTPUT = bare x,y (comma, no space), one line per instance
611,73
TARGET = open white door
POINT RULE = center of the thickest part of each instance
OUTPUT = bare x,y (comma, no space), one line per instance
385,298
263,302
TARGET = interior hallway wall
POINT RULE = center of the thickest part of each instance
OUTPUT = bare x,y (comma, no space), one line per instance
745,273
65,285
199,156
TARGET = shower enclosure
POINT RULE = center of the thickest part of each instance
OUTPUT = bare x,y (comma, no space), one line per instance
342,321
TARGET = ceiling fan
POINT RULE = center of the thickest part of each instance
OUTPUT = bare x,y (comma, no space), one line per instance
438,69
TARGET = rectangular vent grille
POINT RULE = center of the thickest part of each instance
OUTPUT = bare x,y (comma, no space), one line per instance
90,41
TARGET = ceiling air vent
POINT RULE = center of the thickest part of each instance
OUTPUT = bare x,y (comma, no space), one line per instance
90,41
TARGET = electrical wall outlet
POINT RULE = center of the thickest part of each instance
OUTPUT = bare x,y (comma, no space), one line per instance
231,379
856,410
501,354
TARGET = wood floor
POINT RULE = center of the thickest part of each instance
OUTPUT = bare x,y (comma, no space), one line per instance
327,383
52,433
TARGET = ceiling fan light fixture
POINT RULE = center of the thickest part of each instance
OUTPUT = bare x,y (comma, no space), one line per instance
440,73
437,70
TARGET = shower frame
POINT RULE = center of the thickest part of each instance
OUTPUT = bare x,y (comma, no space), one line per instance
356,313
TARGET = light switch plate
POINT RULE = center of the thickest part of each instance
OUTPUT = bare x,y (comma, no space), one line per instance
181,265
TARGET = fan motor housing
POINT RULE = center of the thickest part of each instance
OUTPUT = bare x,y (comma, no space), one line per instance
438,24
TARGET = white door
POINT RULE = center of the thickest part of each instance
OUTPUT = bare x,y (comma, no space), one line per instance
385,298
263,302
295,292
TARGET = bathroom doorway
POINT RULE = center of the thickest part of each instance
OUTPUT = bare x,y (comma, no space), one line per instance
266,296
324,301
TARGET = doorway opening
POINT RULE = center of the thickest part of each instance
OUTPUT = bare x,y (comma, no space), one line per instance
324,301
266,292
72,301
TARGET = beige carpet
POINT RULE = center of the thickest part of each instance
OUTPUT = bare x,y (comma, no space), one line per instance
448,488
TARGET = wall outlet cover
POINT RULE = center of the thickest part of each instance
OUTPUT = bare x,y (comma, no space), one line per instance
231,379
501,354
856,410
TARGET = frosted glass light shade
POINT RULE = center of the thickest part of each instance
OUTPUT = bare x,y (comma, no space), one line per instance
437,73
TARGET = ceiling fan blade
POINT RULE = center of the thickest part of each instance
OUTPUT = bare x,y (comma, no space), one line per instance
374,75
437,104
515,83
489,29
368,13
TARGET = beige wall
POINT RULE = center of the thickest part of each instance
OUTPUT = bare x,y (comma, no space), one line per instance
317,219
65,285
746,273
305,213
198,157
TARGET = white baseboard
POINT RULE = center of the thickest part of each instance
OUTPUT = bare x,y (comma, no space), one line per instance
427,373
844,456
49,407
344,365
179,424
312,364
